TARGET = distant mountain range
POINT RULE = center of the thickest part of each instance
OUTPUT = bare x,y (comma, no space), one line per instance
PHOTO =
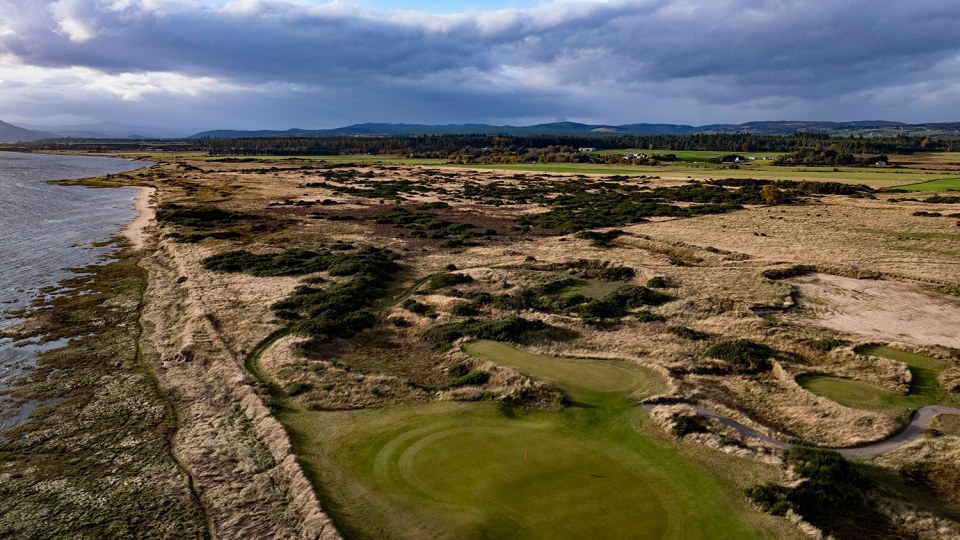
12,133
865,128
110,130
100,130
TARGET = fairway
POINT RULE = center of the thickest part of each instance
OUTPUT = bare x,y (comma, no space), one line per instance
942,184
490,470
924,387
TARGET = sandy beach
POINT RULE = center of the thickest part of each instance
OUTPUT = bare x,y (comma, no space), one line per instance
145,213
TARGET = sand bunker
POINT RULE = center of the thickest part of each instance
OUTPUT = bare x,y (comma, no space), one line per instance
881,309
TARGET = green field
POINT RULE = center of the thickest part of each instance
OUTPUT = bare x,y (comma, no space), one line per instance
691,163
491,470
924,389
691,156
942,184
591,288
583,380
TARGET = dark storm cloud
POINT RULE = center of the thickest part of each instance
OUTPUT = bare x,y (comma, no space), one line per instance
710,58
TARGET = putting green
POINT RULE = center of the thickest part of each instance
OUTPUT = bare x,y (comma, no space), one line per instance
924,389
845,390
578,378
490,470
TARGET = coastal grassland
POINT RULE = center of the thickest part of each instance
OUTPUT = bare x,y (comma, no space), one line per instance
369,413
480,470
94,460
690,164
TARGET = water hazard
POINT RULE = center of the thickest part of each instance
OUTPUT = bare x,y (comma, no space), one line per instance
46,229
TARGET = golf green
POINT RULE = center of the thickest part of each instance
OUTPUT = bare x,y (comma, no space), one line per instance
924,385
493,470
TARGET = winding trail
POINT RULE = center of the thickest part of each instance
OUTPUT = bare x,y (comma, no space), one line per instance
918,423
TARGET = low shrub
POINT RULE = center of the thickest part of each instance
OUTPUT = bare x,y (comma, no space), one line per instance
448,279
684,425
648,316
659,282
789,272
600,239
634,296
688,333
474,378
298,388
827,344
833,489
464,309
196,216
744,355
458,370
508,329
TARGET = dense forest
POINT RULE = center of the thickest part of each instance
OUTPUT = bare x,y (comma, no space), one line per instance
513,147
445,146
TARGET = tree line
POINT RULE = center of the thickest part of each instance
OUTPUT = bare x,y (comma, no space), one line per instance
445,146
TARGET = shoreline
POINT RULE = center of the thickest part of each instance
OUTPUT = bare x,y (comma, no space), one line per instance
135,230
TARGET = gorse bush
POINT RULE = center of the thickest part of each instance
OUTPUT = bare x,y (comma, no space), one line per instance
601,239
833,488
196,216
341,309
688,333
827,344
744,355
458,370
648,316
508,329
413,306
426,225
474,378
441,281
684,425
659,282
789,272
367,260
287,263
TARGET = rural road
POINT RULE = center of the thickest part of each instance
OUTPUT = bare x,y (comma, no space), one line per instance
918,423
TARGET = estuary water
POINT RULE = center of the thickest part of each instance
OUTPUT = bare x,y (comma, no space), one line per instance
46,229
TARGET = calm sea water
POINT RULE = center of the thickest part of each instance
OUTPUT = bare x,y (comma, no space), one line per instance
46,229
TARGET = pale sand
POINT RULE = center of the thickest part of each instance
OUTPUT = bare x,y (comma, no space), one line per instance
135,230
881,309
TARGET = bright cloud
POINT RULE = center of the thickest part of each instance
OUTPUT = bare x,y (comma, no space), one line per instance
321,64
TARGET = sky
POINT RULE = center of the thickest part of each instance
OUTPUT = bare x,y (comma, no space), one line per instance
192,65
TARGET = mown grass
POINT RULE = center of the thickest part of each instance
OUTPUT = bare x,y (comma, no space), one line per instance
940,184
578,378
487,470
924,389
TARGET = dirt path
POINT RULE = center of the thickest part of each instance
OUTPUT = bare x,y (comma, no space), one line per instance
921,419
881,309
